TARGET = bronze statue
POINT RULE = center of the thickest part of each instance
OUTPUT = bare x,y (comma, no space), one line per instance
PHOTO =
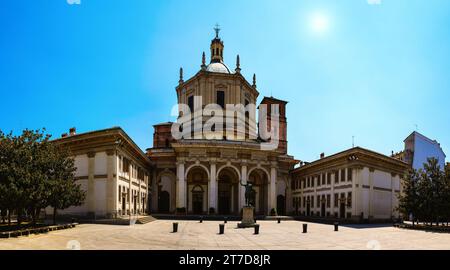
249,194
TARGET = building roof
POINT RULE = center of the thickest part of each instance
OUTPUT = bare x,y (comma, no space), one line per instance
274,99
415,133
218,68
104,138
163,124
358,155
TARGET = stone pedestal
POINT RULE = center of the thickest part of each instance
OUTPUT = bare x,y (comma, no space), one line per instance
248,219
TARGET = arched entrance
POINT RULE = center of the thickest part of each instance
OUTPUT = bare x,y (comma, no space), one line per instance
281,205
227,192
197,199
260,181
163,202
197,185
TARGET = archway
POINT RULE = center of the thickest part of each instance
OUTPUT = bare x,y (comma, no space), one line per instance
260,180
197,199
197,184
163,202
166,183
228,191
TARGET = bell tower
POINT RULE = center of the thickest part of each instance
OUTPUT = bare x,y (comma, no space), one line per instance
217,47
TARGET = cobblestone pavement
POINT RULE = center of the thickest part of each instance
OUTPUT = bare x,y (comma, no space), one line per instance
193,235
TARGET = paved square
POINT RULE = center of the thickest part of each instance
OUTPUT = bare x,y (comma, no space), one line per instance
193,235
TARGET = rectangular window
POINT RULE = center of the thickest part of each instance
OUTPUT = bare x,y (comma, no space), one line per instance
328,178
349,199
119,195
349,174
221,99
342,175
191,103
318,180
292,184
328,200
126,165
323,179
312,201
336,177
318,201
336,199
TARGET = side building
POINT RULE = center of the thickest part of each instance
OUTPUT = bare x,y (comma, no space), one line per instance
418,148
356,184
112,170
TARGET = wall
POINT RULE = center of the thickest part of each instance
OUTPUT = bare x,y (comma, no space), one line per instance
424,149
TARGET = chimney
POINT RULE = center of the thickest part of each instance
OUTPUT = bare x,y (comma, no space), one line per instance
72,131
63,135
322,155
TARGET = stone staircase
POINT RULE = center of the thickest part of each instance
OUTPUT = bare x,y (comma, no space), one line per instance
145,219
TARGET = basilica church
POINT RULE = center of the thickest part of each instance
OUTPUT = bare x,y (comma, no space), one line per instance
206,176
200,174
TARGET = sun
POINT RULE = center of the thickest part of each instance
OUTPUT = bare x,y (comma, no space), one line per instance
319,23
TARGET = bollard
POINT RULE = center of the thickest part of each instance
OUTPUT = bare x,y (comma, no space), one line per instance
255,220
201,219
279,220
305,228
175,227
257,229
225,220
336,225
221,228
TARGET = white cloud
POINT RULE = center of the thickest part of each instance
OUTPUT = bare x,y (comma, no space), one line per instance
71,2
374,2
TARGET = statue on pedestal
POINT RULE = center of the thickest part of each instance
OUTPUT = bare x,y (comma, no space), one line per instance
249,194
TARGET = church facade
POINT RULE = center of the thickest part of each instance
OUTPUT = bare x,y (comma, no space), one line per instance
200,175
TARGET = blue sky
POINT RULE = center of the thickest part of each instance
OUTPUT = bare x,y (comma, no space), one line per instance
369,71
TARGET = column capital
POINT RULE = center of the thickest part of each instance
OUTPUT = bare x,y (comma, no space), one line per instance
110,152
91,154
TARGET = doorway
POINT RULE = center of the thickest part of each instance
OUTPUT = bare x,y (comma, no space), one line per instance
163,202
197,200
281,205
342,210
224,198
124,205
322,210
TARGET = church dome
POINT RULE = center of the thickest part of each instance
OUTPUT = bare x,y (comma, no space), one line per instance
218,68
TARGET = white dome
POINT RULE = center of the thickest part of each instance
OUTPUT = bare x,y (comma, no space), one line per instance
218,68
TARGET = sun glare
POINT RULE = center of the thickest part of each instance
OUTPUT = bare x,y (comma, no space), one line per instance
319,23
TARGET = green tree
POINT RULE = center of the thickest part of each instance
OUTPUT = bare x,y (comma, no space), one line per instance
409,199
64,191
34,174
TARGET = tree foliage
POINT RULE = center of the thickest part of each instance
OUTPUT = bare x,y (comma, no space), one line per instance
35,173
426,194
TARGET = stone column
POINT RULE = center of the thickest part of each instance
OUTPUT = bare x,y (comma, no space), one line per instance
130,190
111,184
91,184
212,188
332,207
288,195
154,198
392,194
242,188
371,193
181,186
272,189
